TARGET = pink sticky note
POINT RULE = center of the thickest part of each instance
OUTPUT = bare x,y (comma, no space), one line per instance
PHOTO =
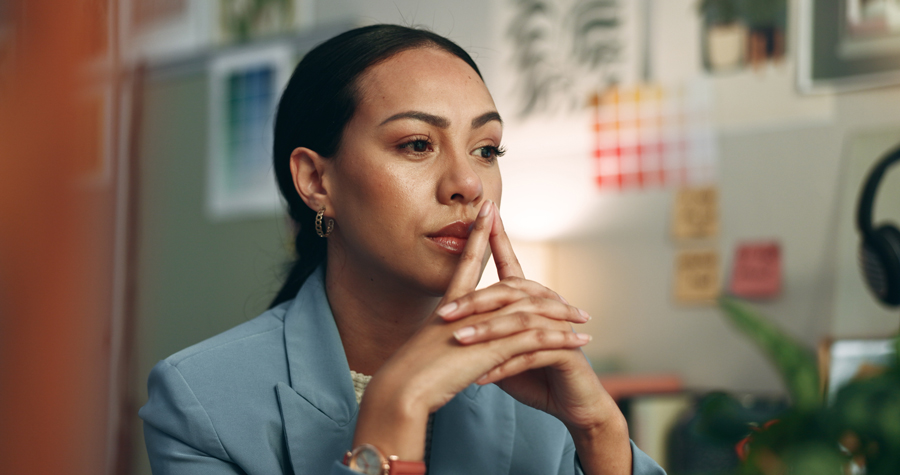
757,270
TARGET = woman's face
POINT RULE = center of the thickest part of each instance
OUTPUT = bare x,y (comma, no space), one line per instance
416,162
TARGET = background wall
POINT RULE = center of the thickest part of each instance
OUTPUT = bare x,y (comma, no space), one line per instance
789,168
784,184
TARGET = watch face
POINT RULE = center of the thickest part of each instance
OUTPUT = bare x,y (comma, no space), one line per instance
367,461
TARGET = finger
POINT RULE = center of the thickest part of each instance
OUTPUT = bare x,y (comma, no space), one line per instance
497,296
484,300
537,339
525,362
504,257
506,325
468,271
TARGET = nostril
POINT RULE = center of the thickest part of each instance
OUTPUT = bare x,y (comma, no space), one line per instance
456,196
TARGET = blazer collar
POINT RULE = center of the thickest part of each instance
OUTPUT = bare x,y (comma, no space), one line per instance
317,364
318,409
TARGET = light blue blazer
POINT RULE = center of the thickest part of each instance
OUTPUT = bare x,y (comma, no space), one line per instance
274,396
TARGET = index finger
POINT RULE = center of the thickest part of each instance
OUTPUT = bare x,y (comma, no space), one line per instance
504,256
468,271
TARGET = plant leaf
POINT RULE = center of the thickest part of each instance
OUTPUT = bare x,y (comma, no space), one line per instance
796,363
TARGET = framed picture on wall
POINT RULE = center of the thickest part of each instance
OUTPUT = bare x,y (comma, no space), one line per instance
843,361
848,45
244,87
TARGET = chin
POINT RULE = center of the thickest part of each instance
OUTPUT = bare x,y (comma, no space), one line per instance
435,282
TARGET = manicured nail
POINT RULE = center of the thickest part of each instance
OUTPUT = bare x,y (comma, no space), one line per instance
486,208
464,333
584,314
447,309
584,337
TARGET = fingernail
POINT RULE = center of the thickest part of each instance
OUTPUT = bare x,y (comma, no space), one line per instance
485,208
584,337
447,309
464,333
563,299
584,314
482,379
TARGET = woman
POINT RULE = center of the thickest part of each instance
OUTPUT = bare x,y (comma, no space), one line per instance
386,147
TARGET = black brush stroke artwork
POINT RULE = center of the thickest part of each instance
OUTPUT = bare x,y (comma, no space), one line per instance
546,75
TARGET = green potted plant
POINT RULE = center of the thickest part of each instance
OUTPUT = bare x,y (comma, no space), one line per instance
724,35
861,427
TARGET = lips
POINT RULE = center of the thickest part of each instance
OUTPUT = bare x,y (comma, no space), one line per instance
452,237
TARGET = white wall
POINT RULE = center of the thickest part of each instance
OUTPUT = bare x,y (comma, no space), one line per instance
469,23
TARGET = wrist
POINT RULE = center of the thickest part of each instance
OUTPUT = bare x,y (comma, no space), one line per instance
604,448
393,422
613,427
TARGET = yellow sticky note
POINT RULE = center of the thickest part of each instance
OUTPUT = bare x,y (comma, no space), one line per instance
697,276
696,213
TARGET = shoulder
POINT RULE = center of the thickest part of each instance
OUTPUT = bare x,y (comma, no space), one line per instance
238,342
218,396
236,362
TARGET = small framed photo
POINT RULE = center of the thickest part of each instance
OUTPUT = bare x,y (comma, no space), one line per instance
847,45
843,361
244,88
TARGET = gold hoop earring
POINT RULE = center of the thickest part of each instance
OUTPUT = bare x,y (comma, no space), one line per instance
328,228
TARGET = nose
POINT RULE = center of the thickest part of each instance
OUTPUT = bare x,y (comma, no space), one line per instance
459,181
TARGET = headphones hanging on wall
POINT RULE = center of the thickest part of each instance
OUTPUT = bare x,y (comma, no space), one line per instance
879,252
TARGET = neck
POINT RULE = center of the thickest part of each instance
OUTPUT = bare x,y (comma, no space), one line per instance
374,315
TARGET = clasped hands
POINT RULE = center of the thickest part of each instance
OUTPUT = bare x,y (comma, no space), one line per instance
515,333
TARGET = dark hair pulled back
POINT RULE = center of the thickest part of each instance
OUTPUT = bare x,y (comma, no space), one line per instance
314,109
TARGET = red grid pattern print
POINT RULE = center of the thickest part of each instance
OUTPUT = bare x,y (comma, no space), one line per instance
648,137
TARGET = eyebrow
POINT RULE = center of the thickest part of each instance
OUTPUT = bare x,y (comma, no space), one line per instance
485,118
442,122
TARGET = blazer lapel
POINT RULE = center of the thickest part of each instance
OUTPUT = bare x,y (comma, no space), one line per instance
314,440
474,433
318,409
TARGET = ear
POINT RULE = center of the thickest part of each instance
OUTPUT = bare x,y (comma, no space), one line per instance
308,169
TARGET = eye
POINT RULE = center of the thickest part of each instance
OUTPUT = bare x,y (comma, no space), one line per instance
422,145
490,152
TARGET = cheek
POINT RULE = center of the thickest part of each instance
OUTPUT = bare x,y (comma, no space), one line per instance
493,187
384,196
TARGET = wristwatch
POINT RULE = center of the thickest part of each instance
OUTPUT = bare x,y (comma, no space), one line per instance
368,460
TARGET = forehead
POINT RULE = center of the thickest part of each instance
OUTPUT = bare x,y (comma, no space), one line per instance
426,79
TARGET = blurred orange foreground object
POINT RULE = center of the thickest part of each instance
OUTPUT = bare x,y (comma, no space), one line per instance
55,257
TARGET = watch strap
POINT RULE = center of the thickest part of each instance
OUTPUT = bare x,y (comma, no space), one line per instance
392,465
405,467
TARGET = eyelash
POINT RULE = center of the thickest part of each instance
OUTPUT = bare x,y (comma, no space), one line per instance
410,145
496,152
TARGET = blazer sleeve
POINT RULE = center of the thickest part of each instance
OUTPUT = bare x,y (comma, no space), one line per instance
179,435
641,463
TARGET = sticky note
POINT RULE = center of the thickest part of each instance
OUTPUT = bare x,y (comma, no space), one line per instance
697,276
757,270
696,213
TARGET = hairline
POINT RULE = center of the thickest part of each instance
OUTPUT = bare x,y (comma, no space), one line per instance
355,88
